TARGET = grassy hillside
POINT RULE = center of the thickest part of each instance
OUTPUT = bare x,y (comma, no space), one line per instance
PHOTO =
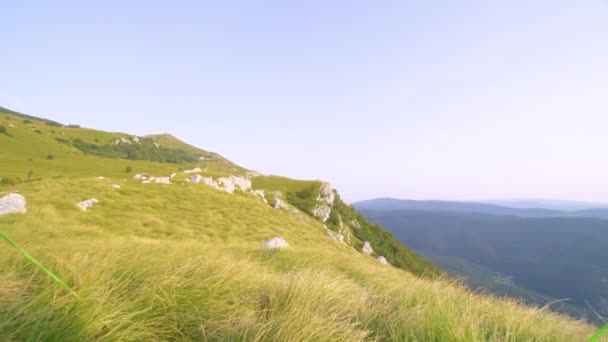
183,261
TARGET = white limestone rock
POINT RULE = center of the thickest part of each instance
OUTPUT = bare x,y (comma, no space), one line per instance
101,177
156,144
115,186
322,211
139,176
275,243
367,248
85,205
135,139
162,180
173,175
11,125
382,260
146,182
226,184
13,204
326,194
244,184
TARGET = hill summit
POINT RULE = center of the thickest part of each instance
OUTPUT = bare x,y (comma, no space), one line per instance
160,240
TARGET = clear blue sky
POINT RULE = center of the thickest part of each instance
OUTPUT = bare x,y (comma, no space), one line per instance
424,99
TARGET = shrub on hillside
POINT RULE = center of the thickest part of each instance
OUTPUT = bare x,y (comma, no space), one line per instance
26,121
50,157
3,130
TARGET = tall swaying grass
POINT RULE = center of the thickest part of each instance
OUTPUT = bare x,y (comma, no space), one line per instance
182,262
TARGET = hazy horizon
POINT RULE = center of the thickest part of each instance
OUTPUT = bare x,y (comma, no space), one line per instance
400,99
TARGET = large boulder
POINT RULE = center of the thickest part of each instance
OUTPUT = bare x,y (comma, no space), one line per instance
367,248
85,205
12,204
275,243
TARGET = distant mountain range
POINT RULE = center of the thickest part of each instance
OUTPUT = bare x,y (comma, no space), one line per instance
513,208
535,254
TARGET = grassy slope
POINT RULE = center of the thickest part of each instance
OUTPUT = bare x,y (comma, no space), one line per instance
182,262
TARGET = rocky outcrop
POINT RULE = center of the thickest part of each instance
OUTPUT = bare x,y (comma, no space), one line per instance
382,260
367,248
325,200
322,212
326,194
85,205
13,204
275,243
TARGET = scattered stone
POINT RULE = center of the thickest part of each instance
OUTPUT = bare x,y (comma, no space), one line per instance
275,243
101,177
138,176
195,170
195,179
382,260
156,144
173,175
12,204
115,186
340,237
135,139
85,205
11,125
163,180
202,158
121,140
146,182
151,178
367,248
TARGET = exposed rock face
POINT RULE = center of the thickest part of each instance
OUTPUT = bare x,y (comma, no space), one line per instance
322,211
135,139
243,184
163,180
275,243
195,170
382,260
326,194
121,140
12,204
85,205
202,158
226,184
195,179
156,144
278,204
367,248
